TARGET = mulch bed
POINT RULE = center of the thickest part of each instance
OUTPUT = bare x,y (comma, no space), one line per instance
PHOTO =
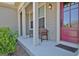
19,52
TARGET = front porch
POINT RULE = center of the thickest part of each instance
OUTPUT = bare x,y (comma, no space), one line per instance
34,16
45,48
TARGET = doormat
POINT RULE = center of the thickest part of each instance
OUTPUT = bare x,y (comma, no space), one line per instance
71,49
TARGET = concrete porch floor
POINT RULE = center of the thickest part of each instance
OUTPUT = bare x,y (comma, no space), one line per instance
46,48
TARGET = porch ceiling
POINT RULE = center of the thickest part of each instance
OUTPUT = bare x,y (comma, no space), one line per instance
13,5
29,8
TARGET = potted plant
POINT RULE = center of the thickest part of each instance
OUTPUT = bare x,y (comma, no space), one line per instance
7,41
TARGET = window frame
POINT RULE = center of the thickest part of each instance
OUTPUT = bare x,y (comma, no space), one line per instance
70,9
44,16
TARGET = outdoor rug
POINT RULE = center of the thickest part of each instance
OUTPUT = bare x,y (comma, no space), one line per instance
68,48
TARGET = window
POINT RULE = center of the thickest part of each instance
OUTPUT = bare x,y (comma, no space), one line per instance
41,17
41,11
66,19
41,23
66,16
31,24
71,14
74,17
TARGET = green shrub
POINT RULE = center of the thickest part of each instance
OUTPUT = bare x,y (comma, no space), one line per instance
7,41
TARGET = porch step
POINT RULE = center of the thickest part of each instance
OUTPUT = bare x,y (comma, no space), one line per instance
68,48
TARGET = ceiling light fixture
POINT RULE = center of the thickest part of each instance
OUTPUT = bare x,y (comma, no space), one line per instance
50,6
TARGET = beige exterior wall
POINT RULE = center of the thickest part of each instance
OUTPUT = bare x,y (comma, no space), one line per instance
8,18
51,21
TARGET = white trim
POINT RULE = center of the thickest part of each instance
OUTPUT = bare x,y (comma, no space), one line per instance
58,22
19,23
24,22
45,13
21,5
34,38
43,5
35,24
30,20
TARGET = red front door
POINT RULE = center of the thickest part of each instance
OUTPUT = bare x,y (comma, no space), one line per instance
69,22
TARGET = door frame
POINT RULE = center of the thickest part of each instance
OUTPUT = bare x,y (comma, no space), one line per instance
58,30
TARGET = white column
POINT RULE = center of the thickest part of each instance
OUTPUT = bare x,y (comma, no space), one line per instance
24,22
58,22
18,22
29,20
45,14
78,49
35,24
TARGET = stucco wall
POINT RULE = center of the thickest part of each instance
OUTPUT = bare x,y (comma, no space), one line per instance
51,21
8,18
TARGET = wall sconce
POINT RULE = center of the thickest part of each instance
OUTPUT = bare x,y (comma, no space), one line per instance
50,6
